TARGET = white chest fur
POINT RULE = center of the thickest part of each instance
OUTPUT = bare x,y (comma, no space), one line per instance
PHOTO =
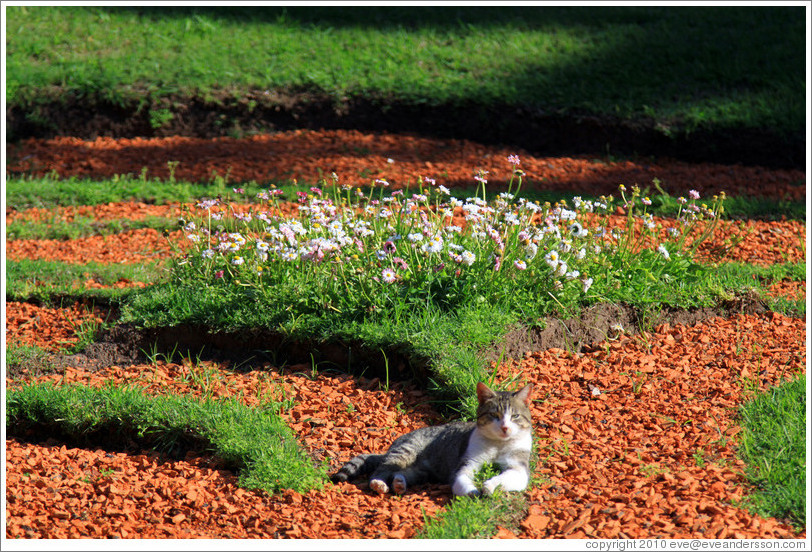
504,451
484,448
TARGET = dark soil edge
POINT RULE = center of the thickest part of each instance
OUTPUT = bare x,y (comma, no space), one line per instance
532,129
599,322
127,344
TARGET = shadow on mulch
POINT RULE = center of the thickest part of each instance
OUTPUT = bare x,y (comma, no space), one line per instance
116,437
529,128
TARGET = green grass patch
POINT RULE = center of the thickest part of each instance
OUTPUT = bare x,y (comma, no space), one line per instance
427,335
735,207
82,227
475,518
685,67
53,282
253,440
51,191
737,273
742,278
773,444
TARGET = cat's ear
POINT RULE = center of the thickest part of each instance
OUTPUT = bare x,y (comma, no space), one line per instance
483,392
523,394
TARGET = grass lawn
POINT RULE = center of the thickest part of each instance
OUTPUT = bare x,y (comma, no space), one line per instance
253,440
683,67
774,445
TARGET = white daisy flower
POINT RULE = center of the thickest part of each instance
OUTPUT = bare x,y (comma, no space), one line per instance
552,258
468,258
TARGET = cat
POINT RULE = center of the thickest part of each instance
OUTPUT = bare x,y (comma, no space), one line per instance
454,452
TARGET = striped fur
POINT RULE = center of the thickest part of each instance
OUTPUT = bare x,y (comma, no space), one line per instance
362,464
452,453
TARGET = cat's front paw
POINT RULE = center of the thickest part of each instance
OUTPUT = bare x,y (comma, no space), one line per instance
464,488
511,480
399,484
379,486
490,486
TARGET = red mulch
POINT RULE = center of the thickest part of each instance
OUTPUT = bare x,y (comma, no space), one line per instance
50,328
132,246
359,158
639,437
130,210
57,491
651,455
789,289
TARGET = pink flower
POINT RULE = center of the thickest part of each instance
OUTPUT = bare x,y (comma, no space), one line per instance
207,204
388,275
514,160
401,262
481,177
288,233
219,274
693,194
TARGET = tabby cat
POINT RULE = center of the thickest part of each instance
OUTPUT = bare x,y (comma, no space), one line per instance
452,453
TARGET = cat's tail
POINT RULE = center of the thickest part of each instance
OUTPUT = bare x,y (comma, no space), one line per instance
360,465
